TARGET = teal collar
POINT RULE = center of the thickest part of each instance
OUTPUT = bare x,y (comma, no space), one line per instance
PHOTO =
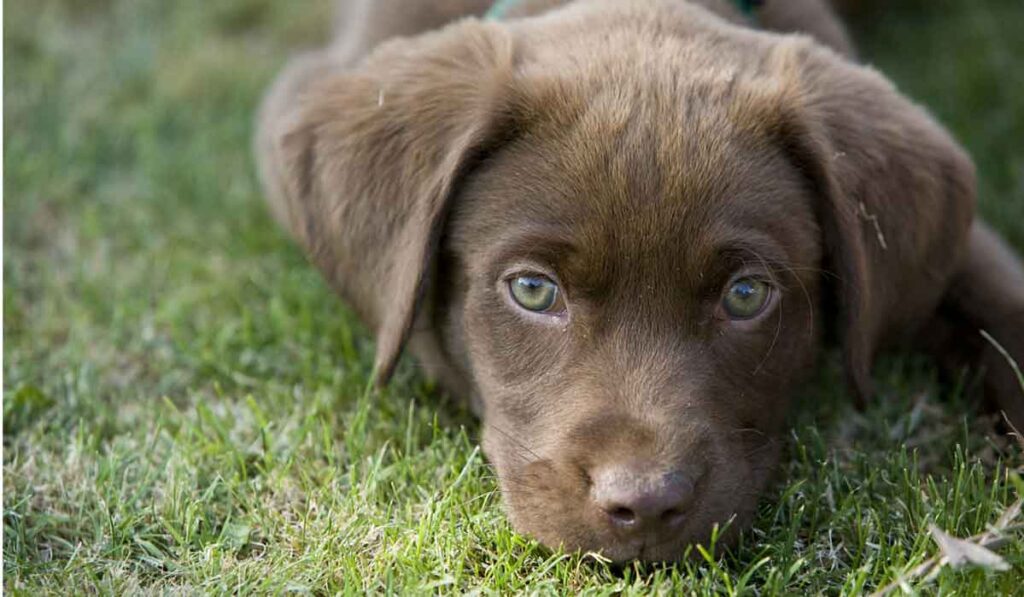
500,8
748,6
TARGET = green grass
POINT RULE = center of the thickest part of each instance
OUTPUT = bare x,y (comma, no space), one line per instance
185,404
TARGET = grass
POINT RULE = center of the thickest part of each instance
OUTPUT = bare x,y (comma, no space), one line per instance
185,404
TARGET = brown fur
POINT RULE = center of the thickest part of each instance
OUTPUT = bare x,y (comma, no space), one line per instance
639,153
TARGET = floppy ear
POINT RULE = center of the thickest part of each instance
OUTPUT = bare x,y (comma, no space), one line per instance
361,164
895,196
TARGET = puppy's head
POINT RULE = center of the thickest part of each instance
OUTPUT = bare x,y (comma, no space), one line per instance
620,232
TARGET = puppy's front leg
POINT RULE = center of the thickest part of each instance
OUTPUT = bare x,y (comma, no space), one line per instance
987,294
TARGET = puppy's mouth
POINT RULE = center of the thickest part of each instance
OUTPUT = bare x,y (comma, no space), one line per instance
648,549
666,551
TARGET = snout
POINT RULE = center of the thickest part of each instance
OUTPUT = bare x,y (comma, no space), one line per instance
640,501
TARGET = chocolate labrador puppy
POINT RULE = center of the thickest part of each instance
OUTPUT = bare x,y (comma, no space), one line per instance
623,229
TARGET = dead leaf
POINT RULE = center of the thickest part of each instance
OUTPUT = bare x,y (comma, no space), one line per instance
958,552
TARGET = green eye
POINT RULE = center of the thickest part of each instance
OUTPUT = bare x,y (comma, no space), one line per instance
534,293
746,298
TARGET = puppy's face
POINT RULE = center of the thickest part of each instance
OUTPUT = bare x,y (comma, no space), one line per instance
619,215
635,303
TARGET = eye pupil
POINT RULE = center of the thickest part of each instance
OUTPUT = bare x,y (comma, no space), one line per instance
746,298
534,293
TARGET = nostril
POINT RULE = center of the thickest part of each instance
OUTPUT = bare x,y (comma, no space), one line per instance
672,516
621,515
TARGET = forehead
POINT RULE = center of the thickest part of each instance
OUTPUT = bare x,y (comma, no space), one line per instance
623,175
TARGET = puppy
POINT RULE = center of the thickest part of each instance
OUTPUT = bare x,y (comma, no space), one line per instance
625,230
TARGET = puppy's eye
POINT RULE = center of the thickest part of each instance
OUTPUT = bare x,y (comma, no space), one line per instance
534,293
746,298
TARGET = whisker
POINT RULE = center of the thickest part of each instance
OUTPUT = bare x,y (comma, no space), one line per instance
775,338
807,297
513,439
751,430
770,443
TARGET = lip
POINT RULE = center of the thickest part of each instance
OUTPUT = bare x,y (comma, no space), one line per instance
640,550
648,548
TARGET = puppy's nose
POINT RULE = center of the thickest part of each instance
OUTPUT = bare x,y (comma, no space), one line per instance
634,499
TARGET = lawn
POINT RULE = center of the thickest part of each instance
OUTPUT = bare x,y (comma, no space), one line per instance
185,403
